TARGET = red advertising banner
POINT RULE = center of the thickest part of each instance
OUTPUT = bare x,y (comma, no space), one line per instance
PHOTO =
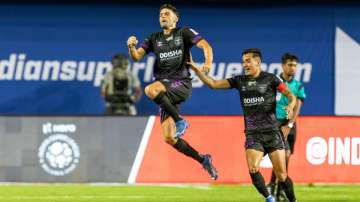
327,150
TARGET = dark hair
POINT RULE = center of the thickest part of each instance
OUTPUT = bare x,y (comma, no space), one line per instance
289,56
254,51
171,7
120,56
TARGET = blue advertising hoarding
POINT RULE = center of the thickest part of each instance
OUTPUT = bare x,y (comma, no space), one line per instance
52,58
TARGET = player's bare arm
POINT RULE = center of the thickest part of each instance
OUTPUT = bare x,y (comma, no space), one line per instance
214,84
136,54
208,54
292,102
297,109
286,129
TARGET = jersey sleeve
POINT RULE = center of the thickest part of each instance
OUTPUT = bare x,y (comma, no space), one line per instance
147,45
301,95
191,37
234,81
278,84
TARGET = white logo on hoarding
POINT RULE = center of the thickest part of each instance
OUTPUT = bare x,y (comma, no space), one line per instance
336,151
18,67
58,153
266,162
58,128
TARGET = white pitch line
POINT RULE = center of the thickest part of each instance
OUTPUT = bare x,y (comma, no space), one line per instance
83,197
186,186
141,151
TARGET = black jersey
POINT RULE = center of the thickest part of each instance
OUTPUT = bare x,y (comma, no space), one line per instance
258,99
172,52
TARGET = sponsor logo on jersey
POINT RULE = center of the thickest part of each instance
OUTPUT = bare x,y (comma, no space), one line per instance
170,54
262,88
159,43
169,38
177,41
253,101
251,83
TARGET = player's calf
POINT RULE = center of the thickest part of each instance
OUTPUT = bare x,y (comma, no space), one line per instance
259,183
281,176
183,147
168,129
288,187
170,140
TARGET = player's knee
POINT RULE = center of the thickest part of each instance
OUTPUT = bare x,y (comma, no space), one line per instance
151,91
282,176
288,153
253,169
169,140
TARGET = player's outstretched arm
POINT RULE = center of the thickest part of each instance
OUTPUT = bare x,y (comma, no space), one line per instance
136,54
292,102
208,54
214,84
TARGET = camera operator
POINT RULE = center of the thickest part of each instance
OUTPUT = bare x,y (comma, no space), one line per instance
120,88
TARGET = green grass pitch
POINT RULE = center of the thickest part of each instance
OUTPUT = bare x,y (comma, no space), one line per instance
165,193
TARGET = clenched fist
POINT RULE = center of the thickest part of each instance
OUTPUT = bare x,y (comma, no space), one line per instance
206,69
132,41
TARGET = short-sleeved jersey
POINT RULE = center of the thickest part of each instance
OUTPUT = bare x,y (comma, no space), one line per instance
172,52
258,100
282,101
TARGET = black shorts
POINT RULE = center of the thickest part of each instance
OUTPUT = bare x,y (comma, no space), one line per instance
177,91
265,141
290,143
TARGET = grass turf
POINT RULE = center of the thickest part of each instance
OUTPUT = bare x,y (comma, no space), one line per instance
181,193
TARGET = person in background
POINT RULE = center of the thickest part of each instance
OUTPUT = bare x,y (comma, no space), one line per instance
120,88
287,126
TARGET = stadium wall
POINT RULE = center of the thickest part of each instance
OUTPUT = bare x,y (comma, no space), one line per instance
131,149
68,149
52,58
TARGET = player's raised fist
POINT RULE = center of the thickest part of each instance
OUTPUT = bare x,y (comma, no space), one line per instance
132,41
206,68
